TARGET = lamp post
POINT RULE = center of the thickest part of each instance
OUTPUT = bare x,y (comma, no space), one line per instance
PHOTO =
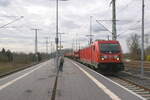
142,44
57,27
114,31
90,29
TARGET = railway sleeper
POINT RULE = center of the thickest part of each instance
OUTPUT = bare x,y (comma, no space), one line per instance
135,88
139,91
145,95
131,86
144,92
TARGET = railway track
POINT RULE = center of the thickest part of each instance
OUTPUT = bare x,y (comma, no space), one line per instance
144,92
136,65
131,85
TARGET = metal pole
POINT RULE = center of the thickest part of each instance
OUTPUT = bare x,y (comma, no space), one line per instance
36,41
108,37
36,44
90,29
76,42
56,39
91,35
51,49
79,49
142,44
46,45
59,42
73,45
114,32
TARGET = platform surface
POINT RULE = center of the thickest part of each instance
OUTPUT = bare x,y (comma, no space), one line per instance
77,82
34,83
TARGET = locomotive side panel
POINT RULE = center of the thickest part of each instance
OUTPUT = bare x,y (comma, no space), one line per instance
85,54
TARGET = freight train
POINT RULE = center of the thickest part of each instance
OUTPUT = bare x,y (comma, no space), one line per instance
102,55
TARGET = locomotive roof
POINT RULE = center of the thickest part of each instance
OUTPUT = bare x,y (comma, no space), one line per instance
107,41
101,41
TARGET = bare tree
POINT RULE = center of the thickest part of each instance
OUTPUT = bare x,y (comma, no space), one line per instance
134,46
147,38
148,51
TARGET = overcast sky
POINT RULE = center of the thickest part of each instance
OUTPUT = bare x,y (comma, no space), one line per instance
74,21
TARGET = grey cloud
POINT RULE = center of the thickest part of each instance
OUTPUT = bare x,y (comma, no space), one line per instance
41,2
4,2
99,28
83,39
74,18
124,22
70,24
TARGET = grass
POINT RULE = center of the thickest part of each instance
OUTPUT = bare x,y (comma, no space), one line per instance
8,67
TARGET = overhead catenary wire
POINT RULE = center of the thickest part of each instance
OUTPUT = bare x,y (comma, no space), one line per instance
11,22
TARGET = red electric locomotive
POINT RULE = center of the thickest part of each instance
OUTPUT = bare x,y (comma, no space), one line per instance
103,55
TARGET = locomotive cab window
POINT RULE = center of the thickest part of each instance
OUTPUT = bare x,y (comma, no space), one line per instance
110,48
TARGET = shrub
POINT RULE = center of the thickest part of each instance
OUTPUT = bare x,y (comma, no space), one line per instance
148,58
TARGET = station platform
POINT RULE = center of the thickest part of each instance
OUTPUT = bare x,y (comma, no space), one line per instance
78,82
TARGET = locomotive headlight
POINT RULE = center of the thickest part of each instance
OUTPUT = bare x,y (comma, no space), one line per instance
117,57
102,58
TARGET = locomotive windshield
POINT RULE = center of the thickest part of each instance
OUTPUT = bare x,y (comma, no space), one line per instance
110,48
